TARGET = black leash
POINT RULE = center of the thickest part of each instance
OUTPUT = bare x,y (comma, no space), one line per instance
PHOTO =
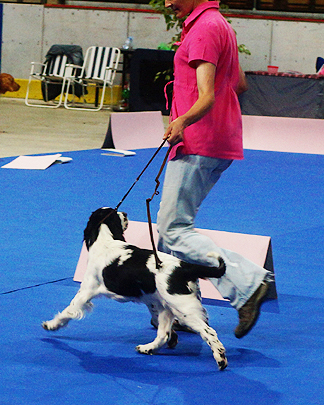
140,175
157,260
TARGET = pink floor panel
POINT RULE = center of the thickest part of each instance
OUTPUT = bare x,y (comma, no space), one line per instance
253,247
278,134
281,134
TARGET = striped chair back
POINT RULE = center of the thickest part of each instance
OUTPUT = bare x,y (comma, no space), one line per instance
97,59
56,66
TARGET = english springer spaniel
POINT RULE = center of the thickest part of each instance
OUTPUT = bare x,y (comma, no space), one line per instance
125,272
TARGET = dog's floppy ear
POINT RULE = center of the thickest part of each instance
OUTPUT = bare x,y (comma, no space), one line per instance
92,229
90,234
114,224
106,216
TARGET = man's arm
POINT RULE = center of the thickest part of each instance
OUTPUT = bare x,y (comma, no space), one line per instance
243,84
205,72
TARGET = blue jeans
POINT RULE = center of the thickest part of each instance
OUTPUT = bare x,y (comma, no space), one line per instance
188,180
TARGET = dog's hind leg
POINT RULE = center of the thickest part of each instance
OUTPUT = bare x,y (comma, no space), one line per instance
208,334
164,334
76,310
190,312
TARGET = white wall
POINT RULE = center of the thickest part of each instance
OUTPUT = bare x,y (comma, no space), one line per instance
21,38
84,27
291,45
30,30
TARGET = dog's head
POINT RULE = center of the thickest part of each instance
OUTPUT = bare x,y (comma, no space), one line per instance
116,222
7,83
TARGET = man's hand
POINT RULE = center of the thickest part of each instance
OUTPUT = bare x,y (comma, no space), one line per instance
174,132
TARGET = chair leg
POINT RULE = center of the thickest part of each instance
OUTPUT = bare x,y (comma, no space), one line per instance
111,97
102,97
62,93
97,108
28,103
71,83
27,92
68,82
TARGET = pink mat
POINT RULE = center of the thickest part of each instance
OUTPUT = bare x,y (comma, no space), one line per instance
253,247
281,134
138,130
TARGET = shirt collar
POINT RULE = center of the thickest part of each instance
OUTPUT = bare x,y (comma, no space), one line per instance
199,10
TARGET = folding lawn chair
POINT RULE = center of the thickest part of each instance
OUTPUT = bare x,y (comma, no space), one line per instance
53,73
99,70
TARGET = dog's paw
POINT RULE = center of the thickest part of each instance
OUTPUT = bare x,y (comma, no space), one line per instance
47,325
222,364
52,325
220,357
144,349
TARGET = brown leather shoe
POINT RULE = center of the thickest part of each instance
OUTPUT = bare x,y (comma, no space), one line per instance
249,313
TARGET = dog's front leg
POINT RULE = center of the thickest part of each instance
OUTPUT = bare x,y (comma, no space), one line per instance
164,332
76,310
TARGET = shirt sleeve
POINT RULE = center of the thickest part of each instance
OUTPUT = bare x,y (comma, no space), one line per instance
205,44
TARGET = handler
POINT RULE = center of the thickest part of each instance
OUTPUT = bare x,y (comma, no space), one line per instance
206,134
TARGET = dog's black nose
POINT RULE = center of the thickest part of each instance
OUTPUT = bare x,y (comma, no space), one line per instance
124,215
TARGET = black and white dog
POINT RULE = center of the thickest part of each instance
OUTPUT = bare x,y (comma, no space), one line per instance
125,272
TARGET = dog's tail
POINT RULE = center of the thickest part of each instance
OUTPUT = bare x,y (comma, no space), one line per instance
209,272
178,281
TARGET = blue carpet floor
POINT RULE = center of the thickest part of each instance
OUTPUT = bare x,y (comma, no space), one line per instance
42,217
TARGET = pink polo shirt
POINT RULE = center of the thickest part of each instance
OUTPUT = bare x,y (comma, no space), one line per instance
208,36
